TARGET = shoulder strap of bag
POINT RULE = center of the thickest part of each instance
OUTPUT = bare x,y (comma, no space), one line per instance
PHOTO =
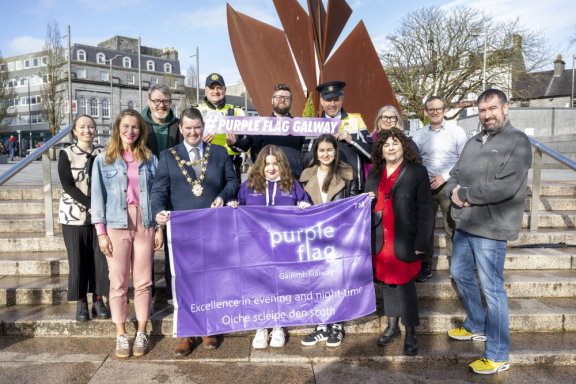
398,180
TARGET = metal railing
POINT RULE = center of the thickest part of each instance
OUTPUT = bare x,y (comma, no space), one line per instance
539,149
43,151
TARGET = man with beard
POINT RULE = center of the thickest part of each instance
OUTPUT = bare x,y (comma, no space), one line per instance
291,145
354,140
215,100
163,133
488,190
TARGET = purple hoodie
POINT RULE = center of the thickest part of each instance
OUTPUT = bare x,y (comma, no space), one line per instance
275,195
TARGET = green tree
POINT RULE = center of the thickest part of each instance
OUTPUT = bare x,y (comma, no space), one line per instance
309,110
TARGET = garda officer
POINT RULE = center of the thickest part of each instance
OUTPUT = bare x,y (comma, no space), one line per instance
215,100
354,140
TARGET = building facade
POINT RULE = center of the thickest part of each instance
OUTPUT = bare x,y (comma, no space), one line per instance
91,84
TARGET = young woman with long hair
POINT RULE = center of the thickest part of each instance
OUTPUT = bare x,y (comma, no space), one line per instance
122,181
270,183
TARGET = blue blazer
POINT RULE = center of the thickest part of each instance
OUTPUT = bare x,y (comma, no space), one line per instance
171,191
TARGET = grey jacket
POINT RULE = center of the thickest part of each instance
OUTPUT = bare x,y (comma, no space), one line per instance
493,178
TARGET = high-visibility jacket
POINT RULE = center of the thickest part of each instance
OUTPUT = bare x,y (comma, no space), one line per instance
226,110
354,153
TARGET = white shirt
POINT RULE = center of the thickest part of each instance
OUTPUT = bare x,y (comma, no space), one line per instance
321,177
440,148
190,150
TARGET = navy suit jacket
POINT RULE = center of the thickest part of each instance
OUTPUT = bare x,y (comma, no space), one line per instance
171,191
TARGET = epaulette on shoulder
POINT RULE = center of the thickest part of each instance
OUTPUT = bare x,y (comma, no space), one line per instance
237,106
194,105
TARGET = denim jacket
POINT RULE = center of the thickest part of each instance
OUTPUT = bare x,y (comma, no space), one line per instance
109,184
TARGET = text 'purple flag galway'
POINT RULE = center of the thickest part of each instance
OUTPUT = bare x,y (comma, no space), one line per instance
264,267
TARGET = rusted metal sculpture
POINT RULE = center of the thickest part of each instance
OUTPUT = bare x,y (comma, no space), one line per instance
265,59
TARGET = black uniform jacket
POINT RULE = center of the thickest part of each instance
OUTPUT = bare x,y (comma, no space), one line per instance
413,217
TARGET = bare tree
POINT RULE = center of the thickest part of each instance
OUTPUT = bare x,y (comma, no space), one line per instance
54,88
434,51
7,96
190,85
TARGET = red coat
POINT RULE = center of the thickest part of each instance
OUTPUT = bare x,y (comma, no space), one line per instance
388,268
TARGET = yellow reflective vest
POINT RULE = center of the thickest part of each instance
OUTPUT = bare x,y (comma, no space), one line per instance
226,110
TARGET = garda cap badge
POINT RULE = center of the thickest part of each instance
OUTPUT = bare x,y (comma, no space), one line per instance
214,77
330,88
346,123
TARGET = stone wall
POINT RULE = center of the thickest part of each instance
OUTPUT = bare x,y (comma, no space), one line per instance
564,144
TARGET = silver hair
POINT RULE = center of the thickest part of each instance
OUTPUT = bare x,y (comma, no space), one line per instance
159,87
399,123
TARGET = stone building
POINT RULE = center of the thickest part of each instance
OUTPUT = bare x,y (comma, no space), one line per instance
91,89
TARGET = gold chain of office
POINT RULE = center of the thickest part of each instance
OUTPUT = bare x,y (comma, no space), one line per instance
196,187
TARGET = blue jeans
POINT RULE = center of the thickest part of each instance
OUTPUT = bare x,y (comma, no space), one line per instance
489,256
11,154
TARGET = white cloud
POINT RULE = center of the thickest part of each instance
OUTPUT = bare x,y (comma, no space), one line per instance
24,44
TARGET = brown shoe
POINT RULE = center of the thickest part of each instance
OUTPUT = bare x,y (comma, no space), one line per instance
210,342
184,347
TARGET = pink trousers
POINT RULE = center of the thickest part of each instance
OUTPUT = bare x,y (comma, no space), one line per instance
131,247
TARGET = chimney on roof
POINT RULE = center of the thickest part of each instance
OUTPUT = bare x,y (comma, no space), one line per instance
559,65
517,42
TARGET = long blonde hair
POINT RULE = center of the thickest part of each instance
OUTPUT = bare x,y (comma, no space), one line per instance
256,178
114,150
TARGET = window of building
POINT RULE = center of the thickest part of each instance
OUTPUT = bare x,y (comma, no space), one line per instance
11,66
463,62
173,84
13,102
167,68
24,100
18,65
32,80
26,64
3,67
35,100
44,60
66,55
36,119
81,55
82,106
23,81
153,81
35,62
25,120
130,105
104,76
130,79
93,107
80,73
105,108
46,78
127,62
150,65
101,58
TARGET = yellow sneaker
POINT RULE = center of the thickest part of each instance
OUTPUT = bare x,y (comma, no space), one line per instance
462,334
487,367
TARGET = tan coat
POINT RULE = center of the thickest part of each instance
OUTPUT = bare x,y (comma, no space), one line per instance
342,185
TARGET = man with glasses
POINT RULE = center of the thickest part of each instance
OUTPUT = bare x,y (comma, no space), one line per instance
440,147
291,145
215,100
163,133
354,140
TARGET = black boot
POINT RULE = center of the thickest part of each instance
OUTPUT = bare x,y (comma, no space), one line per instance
391,333
82,311
410,344
99,310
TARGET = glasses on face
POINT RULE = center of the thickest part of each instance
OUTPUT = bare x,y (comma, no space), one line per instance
285,98
389,118
437,110
163,102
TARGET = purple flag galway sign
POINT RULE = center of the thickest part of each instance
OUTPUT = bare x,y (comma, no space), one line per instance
264,267
215,122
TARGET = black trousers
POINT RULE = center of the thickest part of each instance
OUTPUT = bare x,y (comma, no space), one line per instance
88,266
400,300
237,163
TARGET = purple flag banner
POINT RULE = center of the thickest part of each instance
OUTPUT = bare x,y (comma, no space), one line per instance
215,122
262,267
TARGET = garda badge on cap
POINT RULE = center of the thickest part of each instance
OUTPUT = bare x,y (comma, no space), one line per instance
214,77
330,88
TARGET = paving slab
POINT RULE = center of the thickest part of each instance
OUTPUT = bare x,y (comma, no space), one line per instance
26,223
25,207
127,372
565,305
357,348
55,350
557,203
34,263
551,374
52,372
395,373
31,242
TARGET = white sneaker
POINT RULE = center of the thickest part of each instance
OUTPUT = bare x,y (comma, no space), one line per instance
261,339
277,337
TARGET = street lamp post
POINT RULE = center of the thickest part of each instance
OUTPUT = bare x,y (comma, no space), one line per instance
483,69
197,76
111,93
29,110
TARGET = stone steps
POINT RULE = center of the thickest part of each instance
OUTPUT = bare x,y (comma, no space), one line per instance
25,207
436,316
546,219
29,193
56,263
31,290
26,223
